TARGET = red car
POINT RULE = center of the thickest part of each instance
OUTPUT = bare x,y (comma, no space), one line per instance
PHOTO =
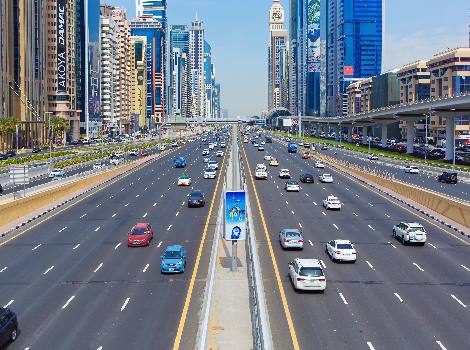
144,153
306,155
140,235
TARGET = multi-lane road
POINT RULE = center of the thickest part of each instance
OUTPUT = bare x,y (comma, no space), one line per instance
75,284
393,297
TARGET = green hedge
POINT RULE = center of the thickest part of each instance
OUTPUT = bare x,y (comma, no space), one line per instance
23,160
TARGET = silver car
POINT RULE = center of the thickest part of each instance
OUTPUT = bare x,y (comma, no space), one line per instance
291,239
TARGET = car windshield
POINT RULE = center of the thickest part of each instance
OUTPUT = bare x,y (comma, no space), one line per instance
344,246
139,231
172,254
311,272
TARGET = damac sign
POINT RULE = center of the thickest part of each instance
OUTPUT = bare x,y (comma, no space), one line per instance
61,46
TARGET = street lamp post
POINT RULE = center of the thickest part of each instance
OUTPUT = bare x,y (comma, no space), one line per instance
51,136
426,140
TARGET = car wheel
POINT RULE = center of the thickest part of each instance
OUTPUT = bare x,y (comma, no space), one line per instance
13,334
403,240
394,234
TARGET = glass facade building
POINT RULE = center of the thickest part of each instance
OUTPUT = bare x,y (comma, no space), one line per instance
353,48
179,51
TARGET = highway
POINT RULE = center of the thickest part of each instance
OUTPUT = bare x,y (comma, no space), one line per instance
75,284
393,297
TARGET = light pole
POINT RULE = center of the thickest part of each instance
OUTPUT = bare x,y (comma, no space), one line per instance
51,136
454,144
426,138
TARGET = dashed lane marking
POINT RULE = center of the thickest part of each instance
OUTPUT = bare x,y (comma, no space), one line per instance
68,302
117,245
125,304
36,247
398,297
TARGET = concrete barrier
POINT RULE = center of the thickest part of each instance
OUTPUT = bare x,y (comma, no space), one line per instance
448,207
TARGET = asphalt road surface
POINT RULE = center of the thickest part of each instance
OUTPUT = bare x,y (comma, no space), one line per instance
75,284
393,297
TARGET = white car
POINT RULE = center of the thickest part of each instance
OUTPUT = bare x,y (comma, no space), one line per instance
209,173
261,166
261,174
255,144
211,146
184,180
326,178
223,145
134,152
219,154
307,274
205,152
245,141
114,161
292,186
268,157
291,238
274,162
410,232
319,165
213,164
285,174
261,148
98,166
373,157
332,202
411,169
263,143
341,250
161,148
57,173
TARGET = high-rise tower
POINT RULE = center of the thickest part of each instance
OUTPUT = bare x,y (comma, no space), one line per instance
277,58
196,69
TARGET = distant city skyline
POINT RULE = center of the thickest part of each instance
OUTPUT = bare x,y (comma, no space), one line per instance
239,49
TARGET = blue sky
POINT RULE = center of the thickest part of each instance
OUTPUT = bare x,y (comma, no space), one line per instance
238,33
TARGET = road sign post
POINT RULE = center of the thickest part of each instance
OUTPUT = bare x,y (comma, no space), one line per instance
235,219
19,175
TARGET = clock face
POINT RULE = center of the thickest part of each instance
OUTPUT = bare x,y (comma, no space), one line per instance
277,15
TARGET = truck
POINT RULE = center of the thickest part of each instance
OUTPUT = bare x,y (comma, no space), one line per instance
292,148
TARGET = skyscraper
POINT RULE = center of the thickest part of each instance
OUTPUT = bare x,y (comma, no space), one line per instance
305,57
196,69
353,47
277,58
209,80
139,81
152,29
178,75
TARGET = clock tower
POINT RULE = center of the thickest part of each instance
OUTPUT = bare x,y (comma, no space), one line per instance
278,58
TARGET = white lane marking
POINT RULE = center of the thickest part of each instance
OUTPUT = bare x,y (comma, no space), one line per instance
357,195
336,227
9,303
307,194
373,229
370,204
131,184
300,225
282,194
101,348
126,205
465,267
125,304
323,213
287,202
370,265
145,268
99,267
343,298
81,217
111,197
117,245
169,188
145,215
322,264
63,229
438,342
169,228
432,245
310,242
371,347
177,213
399,297
458,300
159,244
122,189
292,212
315,203
355,214
113,215
387,215
68,302
155,204
99,205
4,269
393,245
347,189
145,189
182,203
97,229
277,187
36,247
137,195
418,267
49,269
161,196
78,245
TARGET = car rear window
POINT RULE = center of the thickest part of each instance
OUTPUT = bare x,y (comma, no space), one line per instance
292,234
139,231
344,246
311,272
415,229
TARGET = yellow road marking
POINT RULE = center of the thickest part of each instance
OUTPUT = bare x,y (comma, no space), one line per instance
54,214
184,314
287,313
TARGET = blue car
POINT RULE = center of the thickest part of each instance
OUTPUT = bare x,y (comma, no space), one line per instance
173,259
180,162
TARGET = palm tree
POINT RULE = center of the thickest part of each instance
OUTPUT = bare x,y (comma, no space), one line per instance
7,128
58,126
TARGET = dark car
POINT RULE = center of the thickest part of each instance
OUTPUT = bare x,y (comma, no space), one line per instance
3,156
36,150
10,153
8,326
196,199
307,178
324,148
448,177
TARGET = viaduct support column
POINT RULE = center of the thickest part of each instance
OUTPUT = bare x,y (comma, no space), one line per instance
365,135
450,138
384,135
410,136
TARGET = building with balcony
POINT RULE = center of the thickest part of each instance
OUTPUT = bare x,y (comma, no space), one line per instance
138,74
